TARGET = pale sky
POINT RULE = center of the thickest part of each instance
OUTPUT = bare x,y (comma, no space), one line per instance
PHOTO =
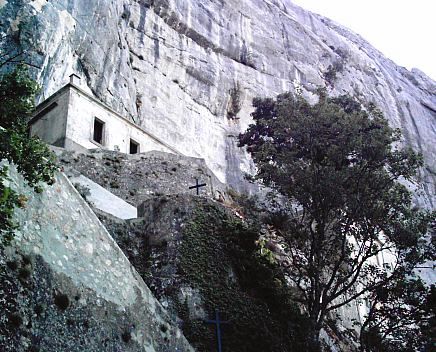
403,30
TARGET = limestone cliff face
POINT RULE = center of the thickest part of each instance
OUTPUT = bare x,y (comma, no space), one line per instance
187,70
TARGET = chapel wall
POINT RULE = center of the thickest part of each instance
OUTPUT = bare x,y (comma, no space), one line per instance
117,131
51,127
67,120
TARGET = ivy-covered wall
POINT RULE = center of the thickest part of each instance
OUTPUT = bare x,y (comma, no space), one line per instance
197,256
220,258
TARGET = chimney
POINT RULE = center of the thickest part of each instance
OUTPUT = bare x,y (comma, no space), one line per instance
74,80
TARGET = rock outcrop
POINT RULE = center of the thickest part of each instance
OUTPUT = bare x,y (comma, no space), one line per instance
187,70
197,257
67,286
194,252
135,178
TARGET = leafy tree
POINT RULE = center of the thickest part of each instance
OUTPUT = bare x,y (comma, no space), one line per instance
400,317
30,155
338,165
17,96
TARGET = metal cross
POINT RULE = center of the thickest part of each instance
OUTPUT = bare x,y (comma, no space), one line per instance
197,186
217,323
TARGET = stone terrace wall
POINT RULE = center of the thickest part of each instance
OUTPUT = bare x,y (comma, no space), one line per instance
135,178
66,285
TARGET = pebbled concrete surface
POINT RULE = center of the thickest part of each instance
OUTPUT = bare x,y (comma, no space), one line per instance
65,285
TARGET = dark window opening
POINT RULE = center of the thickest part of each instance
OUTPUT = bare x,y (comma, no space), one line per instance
98,131
134,147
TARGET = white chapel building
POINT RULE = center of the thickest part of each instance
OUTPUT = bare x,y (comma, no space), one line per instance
75,120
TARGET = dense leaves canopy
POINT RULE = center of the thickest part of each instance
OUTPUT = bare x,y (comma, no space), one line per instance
336,162
331,156
401,317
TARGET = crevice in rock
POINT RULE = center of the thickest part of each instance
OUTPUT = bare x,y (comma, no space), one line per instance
428,106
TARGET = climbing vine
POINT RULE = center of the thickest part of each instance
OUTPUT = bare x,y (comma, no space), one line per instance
9,200
220,258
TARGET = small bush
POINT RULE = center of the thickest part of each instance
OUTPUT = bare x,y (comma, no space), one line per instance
31,156
235,102
332,70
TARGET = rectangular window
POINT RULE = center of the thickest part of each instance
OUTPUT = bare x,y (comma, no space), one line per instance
134,147
98,131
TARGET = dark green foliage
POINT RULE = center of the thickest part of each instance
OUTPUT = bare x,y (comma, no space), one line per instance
401,317
221,259
17,94
235,102
336,163
30,155
9,200
332,70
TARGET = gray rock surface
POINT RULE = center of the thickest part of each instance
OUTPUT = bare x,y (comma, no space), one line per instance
67,286
187,70
135,178
196,256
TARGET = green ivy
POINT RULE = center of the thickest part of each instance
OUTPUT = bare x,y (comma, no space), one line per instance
221,259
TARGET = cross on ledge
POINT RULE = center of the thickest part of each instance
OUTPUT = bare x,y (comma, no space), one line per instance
217,323
197,186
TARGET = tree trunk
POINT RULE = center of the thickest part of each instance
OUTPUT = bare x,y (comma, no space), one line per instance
314,344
